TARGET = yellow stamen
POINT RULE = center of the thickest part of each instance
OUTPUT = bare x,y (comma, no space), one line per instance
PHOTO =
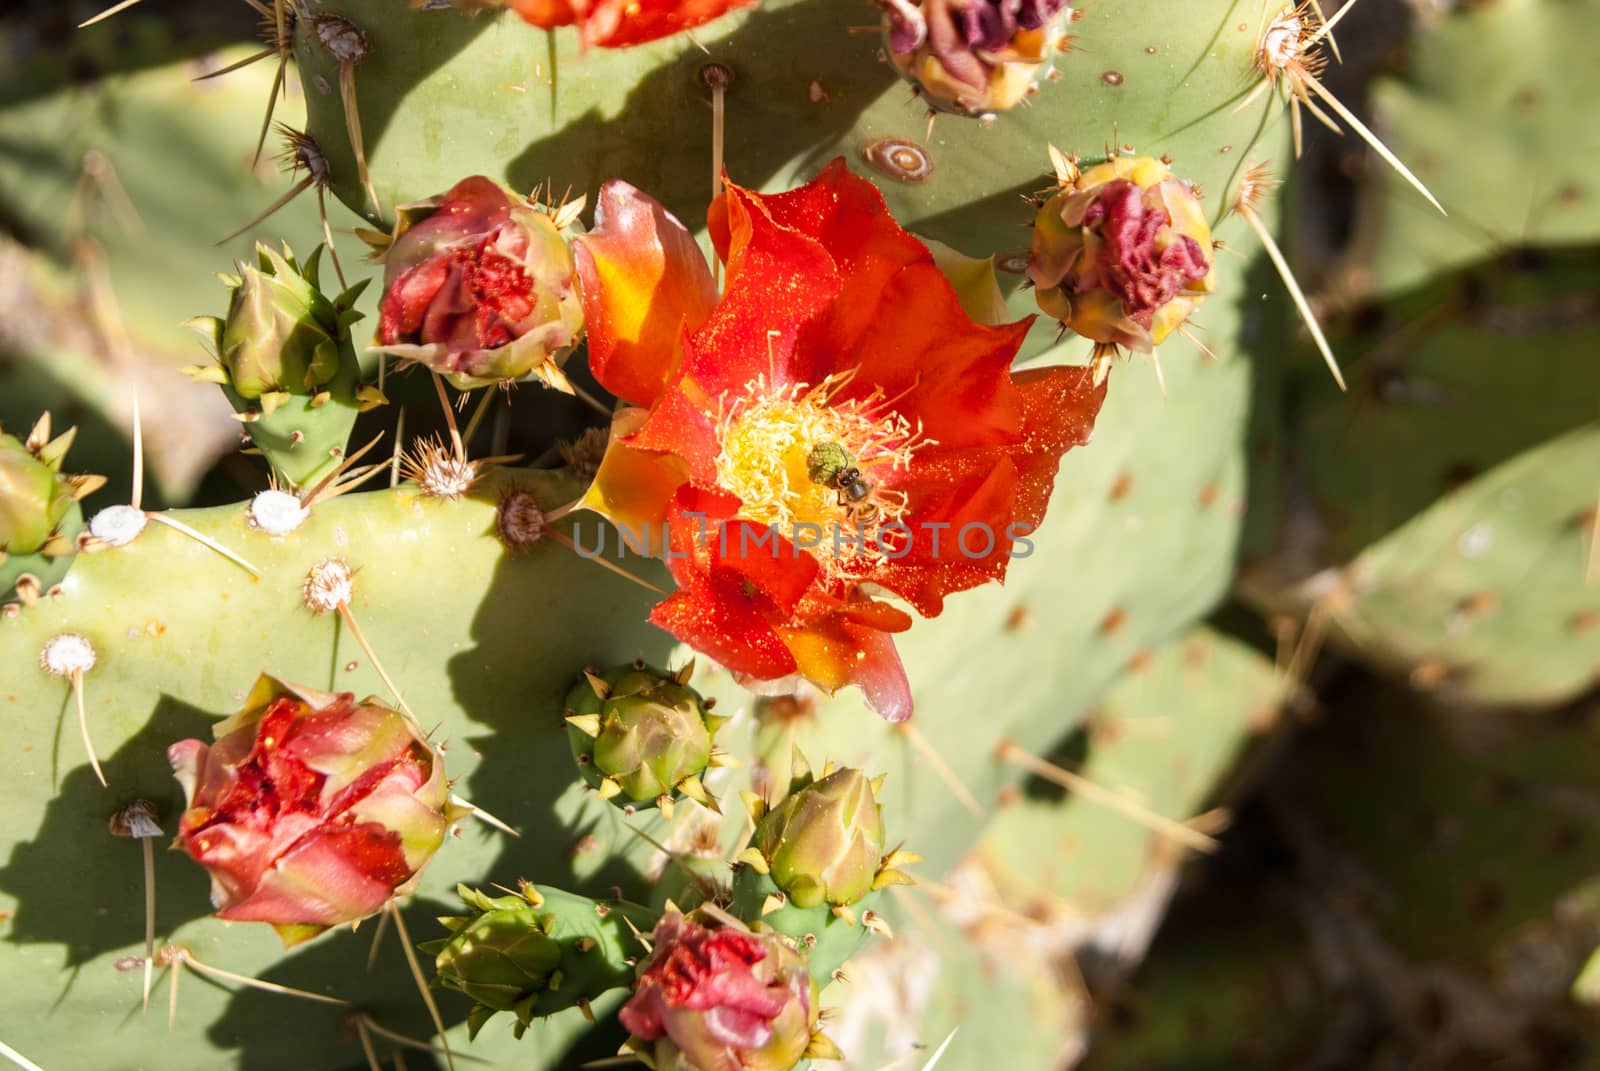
768,435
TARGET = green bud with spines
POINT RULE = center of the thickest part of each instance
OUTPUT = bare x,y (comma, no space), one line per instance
643,737
39,512
815,861
824,843
287,363
536,953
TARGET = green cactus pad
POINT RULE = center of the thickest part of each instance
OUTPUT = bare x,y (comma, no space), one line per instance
1159,78
1416,869
167,617
1498,78
1165,736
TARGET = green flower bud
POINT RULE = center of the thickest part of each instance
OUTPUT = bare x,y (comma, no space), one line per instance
33,498
642,737
39,514
286,361
824,842
271,340
281,334
502,958
537,953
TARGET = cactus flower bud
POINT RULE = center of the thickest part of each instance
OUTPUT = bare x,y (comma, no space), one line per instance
536,953
642,736
479,286
824,842
501,957
1122,252
34,499
311,809
718,997
286,361
974,57
281,333
39,514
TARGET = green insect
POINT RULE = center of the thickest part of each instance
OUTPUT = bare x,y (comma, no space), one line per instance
831,465
826,461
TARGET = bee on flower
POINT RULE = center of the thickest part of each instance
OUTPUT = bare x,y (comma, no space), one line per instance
829,431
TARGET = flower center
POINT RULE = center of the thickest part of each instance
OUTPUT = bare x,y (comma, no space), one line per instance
798,457
500,285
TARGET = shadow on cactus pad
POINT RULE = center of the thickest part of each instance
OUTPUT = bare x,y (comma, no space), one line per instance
666,145
525,773
78,886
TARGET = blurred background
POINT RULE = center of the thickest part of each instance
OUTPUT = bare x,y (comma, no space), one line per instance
1405,791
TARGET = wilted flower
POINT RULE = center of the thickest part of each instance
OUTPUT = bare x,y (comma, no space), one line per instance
1122,252
619,23
834,426
479,286
975,57
311,809
710,999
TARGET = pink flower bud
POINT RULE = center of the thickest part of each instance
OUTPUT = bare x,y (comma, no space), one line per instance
715,998
479,285
310,810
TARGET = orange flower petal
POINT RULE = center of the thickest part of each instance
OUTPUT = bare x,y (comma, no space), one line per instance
846,215
620,23
836,651
1059,407
634,487
547,14
778,280
644,282
941,370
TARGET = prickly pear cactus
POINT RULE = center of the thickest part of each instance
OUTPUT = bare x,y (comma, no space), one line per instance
1441,514
500,562
1438,919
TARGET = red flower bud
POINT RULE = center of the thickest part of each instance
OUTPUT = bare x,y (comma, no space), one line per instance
716,998
479,285
310,810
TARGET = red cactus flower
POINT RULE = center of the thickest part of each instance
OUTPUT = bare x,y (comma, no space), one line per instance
619,23
310,810
834,424
479,286
714,998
